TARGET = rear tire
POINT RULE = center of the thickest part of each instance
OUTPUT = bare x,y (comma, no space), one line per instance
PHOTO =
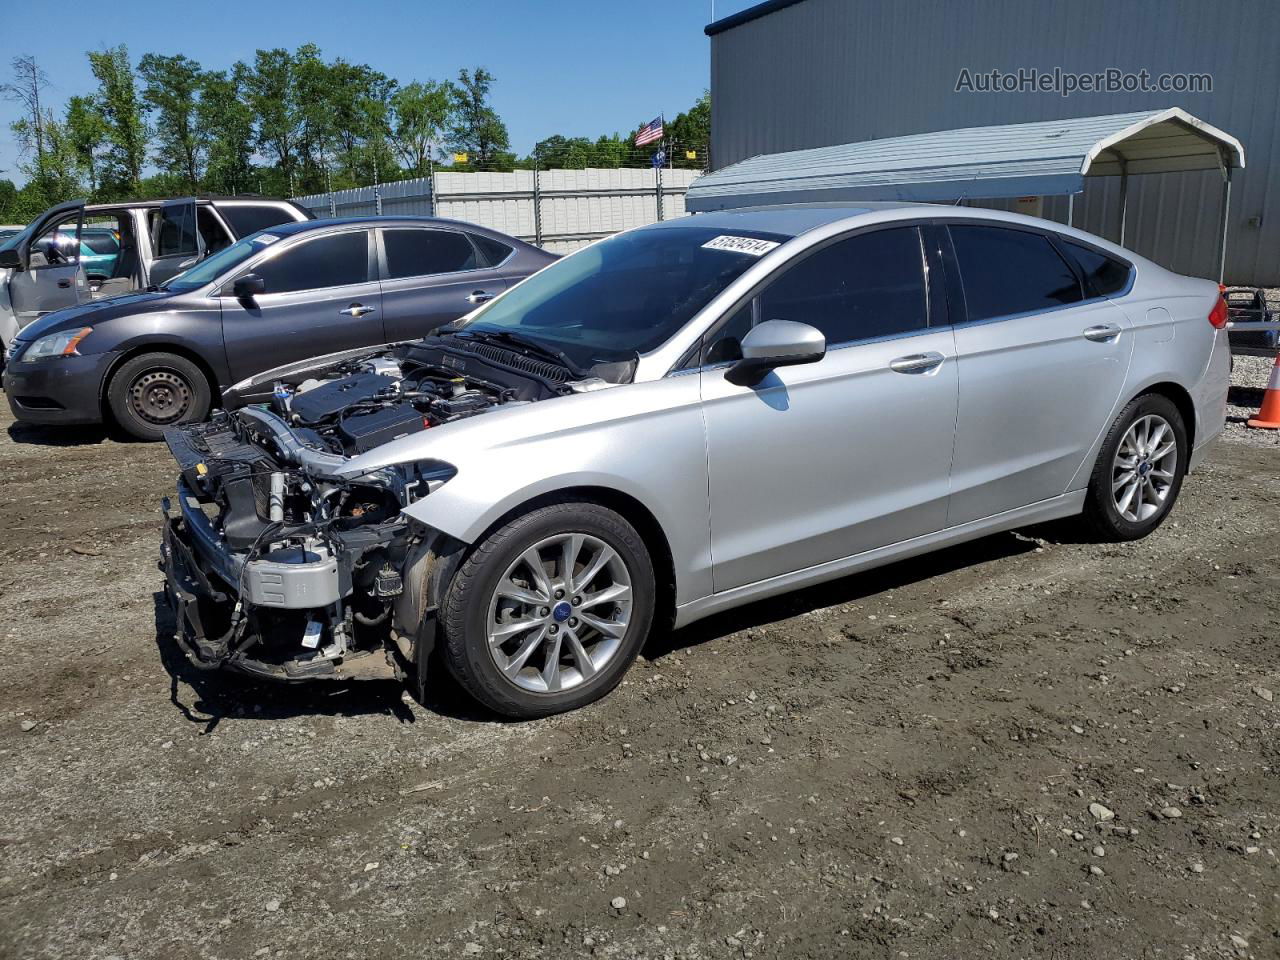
529,642
155,391
1139,471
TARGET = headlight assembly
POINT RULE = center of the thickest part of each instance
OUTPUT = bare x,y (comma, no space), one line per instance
56,345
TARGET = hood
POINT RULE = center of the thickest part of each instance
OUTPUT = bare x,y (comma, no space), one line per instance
95,312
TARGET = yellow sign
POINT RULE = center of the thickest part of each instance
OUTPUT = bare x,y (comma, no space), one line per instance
459,158
691,154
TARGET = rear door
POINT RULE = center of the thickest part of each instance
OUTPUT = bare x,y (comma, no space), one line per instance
322,295
53,277
1041,369
176,243
430,276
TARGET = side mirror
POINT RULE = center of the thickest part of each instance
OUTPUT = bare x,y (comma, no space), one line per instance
776,343
249,286
10,259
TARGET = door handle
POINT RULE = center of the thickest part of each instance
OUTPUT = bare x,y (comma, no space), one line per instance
64,283
479,296
1102,333
356,310
916,363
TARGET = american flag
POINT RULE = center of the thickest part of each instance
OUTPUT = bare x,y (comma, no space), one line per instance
650,132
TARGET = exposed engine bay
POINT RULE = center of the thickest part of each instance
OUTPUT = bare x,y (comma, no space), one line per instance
284,561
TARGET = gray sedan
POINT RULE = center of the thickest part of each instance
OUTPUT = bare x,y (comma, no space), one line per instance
679,420
152,360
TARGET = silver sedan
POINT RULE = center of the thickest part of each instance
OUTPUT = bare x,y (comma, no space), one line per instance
685,418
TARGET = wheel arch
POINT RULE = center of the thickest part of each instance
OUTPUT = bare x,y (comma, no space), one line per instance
630,509
157,346
1181,398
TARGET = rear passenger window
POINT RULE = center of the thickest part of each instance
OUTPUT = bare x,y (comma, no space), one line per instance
1104,275
416,253
1005,272
247,218
870,285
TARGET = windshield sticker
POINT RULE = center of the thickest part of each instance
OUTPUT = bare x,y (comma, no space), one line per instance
264,238
748,245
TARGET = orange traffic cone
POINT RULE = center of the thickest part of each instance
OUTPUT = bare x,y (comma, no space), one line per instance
1268,417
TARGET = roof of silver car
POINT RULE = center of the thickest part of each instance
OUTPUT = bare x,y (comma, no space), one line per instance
790,219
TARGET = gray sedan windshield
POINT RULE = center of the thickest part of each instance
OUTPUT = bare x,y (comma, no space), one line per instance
224,260
627,294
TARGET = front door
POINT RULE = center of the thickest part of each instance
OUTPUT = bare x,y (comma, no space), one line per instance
53,277
321,297
831,459
430,277
1041,369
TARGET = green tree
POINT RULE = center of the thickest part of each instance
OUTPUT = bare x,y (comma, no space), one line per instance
87,134
691,131
420,112
172,87
271,90
227,123
122,109
476,128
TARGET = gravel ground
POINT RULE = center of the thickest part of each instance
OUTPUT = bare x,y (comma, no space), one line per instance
1029,745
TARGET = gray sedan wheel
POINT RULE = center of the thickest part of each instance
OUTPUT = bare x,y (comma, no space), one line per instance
154,391
547,613
1139,470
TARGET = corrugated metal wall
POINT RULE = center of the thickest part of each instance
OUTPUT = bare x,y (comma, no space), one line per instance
572,208
834,71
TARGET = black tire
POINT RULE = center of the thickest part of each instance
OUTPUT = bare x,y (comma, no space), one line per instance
465,610
1101,512
154,391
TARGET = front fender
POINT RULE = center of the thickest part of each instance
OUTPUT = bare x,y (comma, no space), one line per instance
645,441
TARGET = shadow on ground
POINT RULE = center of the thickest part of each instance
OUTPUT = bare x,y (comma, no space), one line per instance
70,436
220,694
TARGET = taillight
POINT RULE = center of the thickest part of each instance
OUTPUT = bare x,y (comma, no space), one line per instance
1218,315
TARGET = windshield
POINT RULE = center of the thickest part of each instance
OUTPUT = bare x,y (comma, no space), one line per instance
211,268
625,295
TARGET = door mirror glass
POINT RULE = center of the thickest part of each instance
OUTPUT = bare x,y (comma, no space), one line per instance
776,343
11,259
249,286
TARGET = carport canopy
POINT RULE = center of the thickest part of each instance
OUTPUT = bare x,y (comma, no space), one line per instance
1046,158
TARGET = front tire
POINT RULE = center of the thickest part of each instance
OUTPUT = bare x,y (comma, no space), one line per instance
549,611
1139,470
155,391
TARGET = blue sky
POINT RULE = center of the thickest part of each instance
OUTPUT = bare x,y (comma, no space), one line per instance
562,66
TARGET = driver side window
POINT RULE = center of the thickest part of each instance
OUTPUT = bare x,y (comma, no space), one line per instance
57,246
864,287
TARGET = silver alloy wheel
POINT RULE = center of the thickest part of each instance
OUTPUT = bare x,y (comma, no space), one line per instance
559,613
1145,465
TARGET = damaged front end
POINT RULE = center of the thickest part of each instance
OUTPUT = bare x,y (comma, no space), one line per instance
282,557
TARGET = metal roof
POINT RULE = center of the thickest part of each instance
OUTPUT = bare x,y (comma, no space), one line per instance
746,16
1012,160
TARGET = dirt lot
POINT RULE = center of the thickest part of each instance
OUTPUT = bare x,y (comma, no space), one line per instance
901,764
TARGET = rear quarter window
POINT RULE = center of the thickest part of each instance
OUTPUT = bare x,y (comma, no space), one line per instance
1104,275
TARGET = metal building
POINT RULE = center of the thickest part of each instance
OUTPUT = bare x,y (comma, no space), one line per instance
796,74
